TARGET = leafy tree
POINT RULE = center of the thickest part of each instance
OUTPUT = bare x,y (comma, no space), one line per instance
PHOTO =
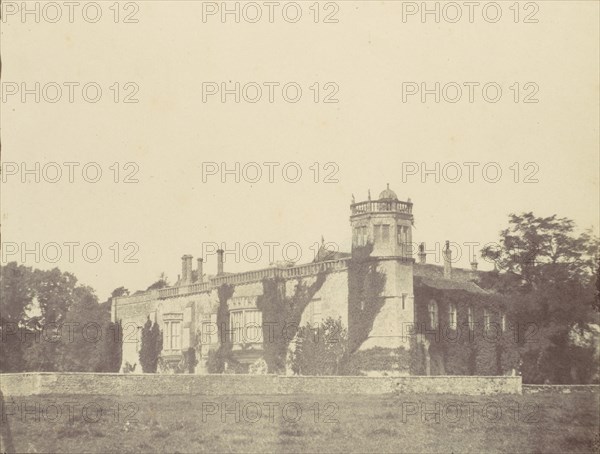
16,296
54,295
322,350
54,292
16,290
50,323
536,250
152,343
79,340
547,273
87,341
113,348
96,345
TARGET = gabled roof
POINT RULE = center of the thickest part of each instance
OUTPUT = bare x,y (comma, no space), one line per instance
433,276
441,283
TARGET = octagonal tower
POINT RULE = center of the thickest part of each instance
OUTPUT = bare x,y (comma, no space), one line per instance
382,236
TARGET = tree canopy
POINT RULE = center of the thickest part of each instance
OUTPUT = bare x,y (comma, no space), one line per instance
49,322
549,275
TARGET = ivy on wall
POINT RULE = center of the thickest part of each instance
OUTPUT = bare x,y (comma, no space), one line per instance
222,360
281,316
376,358
415,356
365,300
463,351
440,351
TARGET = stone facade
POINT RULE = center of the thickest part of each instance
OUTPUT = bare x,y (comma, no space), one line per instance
374,290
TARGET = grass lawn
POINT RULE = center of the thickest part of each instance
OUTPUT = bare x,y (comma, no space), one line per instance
541,423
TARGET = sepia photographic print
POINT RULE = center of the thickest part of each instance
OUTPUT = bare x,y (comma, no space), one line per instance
303,226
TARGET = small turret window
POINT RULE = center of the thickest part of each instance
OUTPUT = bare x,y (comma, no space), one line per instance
452,318
377,230
360,236
382,233
400,234
470,318
385,233
433,314
487,319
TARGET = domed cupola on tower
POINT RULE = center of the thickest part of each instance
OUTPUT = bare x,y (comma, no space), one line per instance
388,194
385,225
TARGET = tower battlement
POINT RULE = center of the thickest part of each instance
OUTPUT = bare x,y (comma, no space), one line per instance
385,223
381,206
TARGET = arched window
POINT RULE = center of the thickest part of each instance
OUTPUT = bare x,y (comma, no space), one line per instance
452,316
433,314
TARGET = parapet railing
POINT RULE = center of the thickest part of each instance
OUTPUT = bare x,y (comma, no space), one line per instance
170,292
308,269
315,268
370,206
248,276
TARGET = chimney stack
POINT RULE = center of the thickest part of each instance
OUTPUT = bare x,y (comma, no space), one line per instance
220,253
447,261
422,254
474,263
200,271
186,269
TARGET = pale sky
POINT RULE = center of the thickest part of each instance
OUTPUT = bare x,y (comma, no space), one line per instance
368,134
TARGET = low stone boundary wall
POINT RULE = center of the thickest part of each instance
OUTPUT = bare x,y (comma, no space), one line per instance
452,384
561,389
47,383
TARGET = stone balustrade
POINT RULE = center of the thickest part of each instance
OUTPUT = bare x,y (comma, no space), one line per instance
171,292
381,206
314,268
245,277
309,269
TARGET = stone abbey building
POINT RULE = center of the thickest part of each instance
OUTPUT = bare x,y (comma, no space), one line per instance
402,315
